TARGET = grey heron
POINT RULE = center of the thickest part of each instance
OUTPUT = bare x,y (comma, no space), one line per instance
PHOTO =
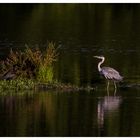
108,72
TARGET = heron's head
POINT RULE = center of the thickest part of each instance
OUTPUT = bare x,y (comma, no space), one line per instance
99,57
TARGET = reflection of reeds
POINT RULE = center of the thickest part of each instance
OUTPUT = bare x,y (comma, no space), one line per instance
31,63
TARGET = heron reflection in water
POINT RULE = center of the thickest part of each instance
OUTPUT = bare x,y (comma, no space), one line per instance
107,106
109,73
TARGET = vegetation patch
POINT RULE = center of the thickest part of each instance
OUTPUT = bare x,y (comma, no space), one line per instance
30,64
32,69
63,87
29,84
17,84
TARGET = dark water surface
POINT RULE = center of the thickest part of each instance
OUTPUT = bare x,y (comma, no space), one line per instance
81,31
55,113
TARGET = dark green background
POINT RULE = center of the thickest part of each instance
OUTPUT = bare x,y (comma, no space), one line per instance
81,31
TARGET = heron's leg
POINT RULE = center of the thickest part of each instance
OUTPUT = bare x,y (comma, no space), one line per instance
115,88
108,87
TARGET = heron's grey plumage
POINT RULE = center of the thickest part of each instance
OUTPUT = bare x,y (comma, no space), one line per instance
108,72
111,74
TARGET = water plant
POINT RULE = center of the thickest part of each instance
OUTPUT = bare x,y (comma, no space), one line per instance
30,64
32,69
45,71
45,74
17,84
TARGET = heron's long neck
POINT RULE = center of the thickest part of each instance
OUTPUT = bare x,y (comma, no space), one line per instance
99,64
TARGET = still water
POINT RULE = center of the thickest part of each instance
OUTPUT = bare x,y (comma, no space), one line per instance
54,113
80,31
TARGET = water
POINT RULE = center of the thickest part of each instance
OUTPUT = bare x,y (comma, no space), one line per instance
53,113
81,31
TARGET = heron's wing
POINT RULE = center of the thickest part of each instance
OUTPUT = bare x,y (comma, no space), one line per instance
111,73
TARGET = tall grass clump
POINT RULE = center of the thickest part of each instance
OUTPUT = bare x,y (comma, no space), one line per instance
30,64
45,72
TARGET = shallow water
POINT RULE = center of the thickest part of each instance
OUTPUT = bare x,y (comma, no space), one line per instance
81,31
53,113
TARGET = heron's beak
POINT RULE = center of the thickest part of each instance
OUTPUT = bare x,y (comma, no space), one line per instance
96,56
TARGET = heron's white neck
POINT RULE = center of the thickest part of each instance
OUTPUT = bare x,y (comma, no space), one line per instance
99,64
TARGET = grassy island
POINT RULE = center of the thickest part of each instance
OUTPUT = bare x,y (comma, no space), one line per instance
32,69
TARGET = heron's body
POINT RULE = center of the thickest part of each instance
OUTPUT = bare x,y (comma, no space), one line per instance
111,74
108,72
